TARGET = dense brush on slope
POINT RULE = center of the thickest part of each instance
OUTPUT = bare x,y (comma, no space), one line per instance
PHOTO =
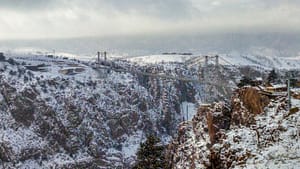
250,134
58,113
49,119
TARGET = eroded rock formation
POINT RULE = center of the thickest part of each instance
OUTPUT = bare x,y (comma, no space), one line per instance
252,132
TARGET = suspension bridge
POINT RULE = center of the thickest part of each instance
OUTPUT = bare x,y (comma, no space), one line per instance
200,81
103,63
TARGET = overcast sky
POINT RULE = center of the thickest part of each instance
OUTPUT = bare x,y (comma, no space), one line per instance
30,19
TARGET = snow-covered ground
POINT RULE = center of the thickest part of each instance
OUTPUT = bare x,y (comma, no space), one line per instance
272,141
116,99
236,59
104,118
160,58
233,58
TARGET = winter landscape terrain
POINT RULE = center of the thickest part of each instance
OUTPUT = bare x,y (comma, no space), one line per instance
149,84
67,111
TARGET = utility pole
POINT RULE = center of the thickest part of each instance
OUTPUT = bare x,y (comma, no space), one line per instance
289,94
182,110
206,61
187,112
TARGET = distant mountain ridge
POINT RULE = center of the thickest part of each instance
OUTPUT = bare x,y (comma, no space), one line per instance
265,43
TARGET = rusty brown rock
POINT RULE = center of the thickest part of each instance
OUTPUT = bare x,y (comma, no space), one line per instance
246,104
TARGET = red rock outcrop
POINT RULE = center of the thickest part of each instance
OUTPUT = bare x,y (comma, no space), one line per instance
246,103
200,134
221,137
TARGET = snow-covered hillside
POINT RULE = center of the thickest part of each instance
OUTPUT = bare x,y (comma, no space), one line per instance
236,59
261,61
256,59
160,58
61,113
246,134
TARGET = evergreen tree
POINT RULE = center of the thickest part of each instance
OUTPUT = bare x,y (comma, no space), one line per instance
294,83
150,154
245,81
272,76
2,57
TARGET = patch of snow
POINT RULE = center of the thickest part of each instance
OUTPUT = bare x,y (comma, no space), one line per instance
159,58
132,144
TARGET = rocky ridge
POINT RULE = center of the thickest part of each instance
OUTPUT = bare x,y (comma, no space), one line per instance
253,132
58,113
50,119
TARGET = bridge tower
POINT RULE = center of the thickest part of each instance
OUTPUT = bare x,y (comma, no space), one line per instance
101,56
105,53
98,57
217,60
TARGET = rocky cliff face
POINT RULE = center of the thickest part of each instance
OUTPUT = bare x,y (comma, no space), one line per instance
58,113
49,119
253,132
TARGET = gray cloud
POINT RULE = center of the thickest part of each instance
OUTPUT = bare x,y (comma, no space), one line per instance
27,4
165,9
73,18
